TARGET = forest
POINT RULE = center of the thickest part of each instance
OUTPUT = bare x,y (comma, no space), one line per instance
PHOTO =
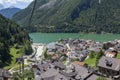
12,35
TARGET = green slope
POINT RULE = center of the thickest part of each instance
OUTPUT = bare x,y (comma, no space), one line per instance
72,16
12,35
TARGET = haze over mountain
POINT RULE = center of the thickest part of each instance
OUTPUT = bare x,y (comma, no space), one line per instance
72,16
1,6
9,12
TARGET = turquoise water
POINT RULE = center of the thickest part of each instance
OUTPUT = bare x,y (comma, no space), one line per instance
51,37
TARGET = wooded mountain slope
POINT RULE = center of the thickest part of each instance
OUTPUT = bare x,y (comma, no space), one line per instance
11,34
72,16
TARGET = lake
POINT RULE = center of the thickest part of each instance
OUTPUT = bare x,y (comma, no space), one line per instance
51,37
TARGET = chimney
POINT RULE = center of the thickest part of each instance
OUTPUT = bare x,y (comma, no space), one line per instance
44,69
108,63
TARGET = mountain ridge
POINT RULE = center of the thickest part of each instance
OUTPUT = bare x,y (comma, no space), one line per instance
72,16
1,6
9,12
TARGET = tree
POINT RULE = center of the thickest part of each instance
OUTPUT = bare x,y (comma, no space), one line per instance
92,54
98,56
29,74
28,48
105,46
11,34
45,53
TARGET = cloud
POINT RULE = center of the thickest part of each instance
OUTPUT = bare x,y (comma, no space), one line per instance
1,1
17,3
25,1
10,1
14,1
7,1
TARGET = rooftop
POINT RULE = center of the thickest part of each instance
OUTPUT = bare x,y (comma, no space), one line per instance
114,64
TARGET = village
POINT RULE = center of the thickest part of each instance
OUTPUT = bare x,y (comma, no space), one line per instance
59,39
74,59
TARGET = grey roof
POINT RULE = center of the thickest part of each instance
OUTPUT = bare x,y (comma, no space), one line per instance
69,74
43,66
49,78
52,74
58,76
49,73
54,45
82,72
59,65
92,77
80,69
111,50
115,63
51,45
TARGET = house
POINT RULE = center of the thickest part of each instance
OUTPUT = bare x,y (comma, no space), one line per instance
83,72
54,46
117,47
107,45
81,55
84,54
55,56
57,71
73,55
109,66
58,65
94,49
79,63
50,71
40,68
111,53
5,75
53,74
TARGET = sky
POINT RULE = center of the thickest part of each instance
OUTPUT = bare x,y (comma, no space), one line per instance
16,3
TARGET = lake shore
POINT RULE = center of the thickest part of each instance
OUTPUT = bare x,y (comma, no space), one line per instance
52,37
